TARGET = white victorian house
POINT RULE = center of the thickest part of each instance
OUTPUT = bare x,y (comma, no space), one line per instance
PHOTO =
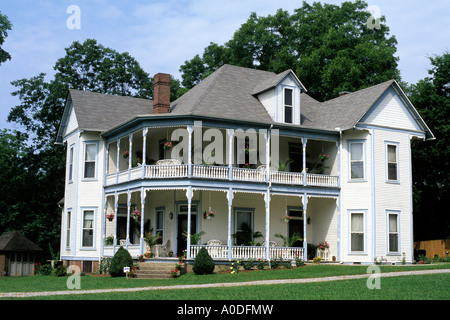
337,171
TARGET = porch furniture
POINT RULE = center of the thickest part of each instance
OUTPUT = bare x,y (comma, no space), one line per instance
271,244
214,242
215,248
162,250
168,162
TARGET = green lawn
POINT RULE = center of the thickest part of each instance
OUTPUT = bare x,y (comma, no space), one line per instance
422,287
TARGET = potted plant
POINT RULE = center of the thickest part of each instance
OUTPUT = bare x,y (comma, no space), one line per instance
287,218
152,240
323,245
125,154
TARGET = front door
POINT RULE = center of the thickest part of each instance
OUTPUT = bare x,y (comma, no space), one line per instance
296,155
296,225
182,225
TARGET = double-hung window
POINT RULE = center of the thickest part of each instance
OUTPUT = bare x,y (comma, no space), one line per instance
393,232
71,154
68,222
356,160
392,162
357,232
90,158
288,105
88,228
160,224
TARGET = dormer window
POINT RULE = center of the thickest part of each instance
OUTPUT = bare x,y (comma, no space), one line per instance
288,105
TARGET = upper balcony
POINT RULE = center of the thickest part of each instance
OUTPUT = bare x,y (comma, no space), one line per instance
153,153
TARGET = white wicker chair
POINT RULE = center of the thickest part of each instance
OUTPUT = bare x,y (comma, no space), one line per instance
271,244
162,250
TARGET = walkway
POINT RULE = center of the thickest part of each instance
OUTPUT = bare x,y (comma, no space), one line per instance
210,285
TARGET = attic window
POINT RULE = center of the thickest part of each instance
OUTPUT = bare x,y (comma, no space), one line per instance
288,105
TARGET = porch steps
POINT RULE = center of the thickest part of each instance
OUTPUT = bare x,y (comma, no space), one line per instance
154,270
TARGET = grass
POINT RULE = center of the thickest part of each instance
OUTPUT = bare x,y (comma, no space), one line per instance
425,287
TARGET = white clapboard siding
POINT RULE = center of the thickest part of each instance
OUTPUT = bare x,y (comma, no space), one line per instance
390,111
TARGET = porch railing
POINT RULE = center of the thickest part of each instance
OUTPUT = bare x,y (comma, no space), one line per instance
248,252
222,173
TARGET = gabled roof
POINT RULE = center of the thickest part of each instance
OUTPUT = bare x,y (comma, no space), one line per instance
99,112
226,93
274,80
14,241
343,112
346,111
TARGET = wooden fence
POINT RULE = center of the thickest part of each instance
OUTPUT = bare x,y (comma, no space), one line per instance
441,248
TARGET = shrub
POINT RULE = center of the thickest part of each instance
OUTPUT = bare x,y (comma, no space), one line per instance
299,262
121,259
248,264
261,264
59,271
203,263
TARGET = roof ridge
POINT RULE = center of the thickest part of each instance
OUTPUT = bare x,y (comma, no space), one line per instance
213,80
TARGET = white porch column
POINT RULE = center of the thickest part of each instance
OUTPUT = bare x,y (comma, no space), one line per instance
230,203
305,218
304,142
267,204
130,142
118,161
189,198
128,218
116,205
103,224
190,130
141,240
144,150
230,153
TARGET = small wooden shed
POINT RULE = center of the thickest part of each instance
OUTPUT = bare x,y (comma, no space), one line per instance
17,254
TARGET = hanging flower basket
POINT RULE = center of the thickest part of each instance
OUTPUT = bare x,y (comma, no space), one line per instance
286,219
136,214
209,214
125,154
110,216
168,145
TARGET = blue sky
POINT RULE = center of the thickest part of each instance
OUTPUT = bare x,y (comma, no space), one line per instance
161,35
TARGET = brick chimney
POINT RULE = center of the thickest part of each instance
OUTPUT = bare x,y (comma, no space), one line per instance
161,93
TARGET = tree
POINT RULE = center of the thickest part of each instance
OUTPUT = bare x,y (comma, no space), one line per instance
5,25
330,47
431,159
86,66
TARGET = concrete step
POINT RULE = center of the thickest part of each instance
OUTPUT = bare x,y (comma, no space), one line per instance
156,270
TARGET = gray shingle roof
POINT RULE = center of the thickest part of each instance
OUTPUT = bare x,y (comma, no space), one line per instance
14,241
100,112
343,112
228,93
